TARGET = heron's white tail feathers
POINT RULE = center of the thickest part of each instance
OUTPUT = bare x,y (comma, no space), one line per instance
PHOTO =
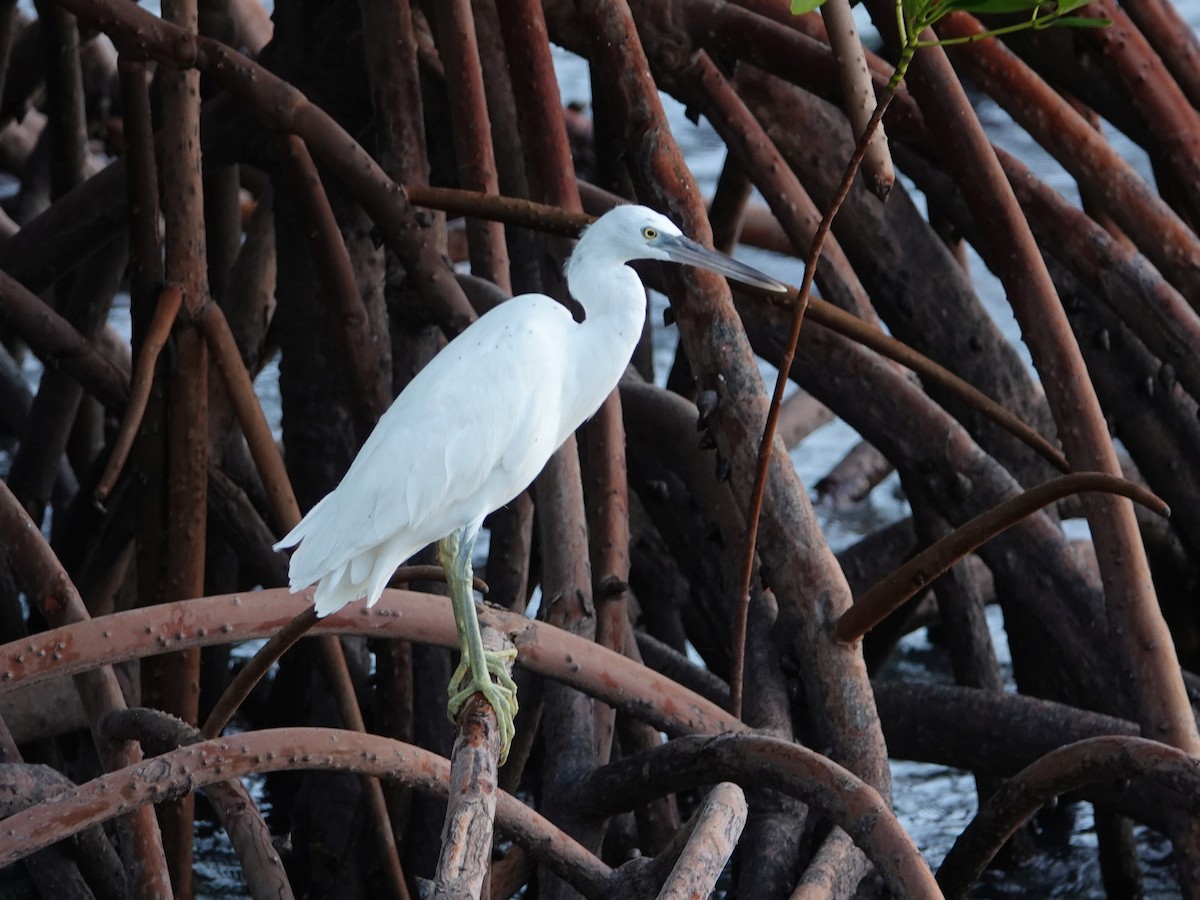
315,561
306,526
333,592
366,575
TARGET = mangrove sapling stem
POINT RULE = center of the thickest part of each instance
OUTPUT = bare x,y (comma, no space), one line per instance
801,297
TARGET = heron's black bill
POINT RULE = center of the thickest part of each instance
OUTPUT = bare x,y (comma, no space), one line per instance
687,251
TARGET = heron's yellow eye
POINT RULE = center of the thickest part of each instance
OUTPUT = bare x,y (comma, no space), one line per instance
649,233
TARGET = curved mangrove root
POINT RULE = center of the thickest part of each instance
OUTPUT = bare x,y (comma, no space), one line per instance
890,594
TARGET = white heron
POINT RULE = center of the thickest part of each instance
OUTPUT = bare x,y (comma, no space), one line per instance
476,426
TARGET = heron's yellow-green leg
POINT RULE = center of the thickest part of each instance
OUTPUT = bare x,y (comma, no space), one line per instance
478,666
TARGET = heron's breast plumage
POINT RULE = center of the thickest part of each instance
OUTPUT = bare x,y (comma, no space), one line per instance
468,434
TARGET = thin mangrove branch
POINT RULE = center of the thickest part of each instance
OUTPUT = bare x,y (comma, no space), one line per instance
801,297
890,594
170,301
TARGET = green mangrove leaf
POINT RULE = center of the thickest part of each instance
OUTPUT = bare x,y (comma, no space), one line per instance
800,7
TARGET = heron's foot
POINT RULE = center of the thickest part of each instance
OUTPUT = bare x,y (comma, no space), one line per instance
500,693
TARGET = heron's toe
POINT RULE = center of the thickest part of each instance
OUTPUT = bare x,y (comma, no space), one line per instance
500,694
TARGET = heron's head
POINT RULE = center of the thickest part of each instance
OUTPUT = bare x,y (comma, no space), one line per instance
626,233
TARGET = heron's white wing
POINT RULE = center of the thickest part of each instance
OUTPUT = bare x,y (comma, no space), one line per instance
478,411
468,427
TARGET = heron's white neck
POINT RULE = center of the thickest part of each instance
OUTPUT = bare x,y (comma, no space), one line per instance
614,305
610,293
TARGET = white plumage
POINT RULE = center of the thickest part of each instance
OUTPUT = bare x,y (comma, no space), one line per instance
475,426
468,434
